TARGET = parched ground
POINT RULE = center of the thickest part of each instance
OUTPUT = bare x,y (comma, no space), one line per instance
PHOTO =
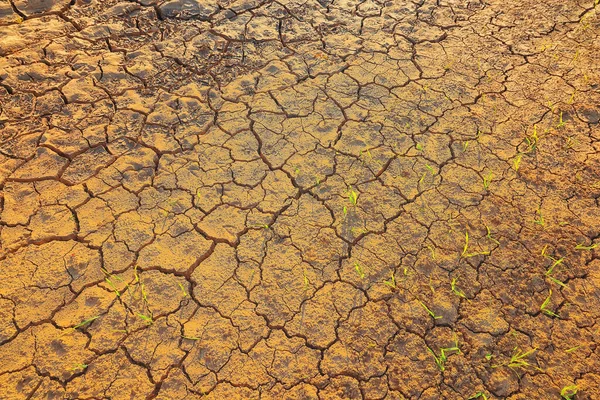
320,199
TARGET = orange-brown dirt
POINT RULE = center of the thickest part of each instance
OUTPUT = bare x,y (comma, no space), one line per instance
299,199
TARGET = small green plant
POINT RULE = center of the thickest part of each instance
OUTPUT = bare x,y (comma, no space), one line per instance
431,313
539,218
392,281
544,307
455,290
519,359
487,180
572,349
145,318
568,392
440,360
517,161
352,197
182,289
532,140
584,247
419,146
78,367
489,235
305,278
550,270
478,395
561,122
359,270
86,322
465,254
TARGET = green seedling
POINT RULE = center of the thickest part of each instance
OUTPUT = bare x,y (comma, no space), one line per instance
359,270
145,318
544,307
539,219
440,360
532,140
430,168
190,337
305,278
465,145
182,289
550,270
584,247
86,322
517,161
572,349
519,359
112,286
568,392
392,281
561,122
353,197
489,235
478,395
431,313
345,210
419,146
487,180
432,250
464,253
570,142
488,356
78,367
455,290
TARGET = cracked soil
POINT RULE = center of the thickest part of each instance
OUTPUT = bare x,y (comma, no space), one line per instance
299,199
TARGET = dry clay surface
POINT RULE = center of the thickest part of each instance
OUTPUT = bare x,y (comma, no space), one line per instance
320,199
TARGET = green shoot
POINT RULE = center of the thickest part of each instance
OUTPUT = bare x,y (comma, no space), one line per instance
182,289
419,147
561,123
544,306
78,367
306,281
431,313
86,322
430,168
440,360
455,290
478,395
352,197
517,161
487,180
539,219
519,359
345,210
584,247
572,349
392,281
359,270
145,318
489,235
432,250
568,392
464,253
554,265
191,337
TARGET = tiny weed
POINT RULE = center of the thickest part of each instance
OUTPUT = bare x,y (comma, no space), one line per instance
306,281
145,318
517,161
568,392
584,247
487,180
440,360
359,270
539,218
544,307
78,367
182,289
478,395
455,290
419,146
572,349
392,281
519,359
431,313
561,122
352,197
489,235
86,322
464,253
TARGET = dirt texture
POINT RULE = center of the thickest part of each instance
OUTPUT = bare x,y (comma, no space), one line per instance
299,199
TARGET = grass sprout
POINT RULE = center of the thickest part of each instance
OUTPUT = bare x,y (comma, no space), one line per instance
584,247
359,270
440,360
568,392
455,290
431,313
392,281
544,307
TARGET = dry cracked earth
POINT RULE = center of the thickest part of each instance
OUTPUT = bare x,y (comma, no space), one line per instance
320,199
